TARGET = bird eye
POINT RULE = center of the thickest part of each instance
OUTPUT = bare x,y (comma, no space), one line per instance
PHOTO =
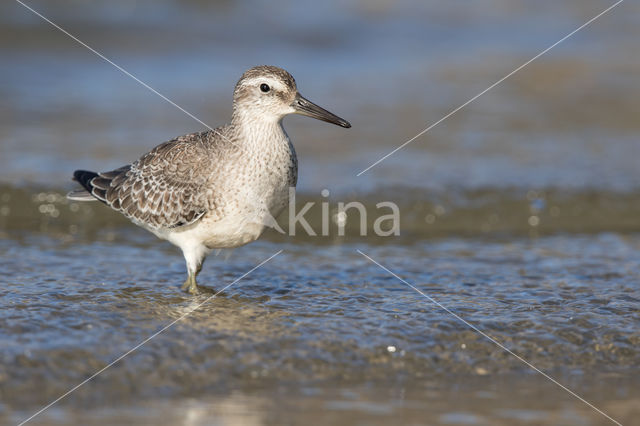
264,87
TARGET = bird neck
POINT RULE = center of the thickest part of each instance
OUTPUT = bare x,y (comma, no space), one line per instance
258,130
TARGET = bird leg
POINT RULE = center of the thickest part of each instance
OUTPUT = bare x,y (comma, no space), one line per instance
190,285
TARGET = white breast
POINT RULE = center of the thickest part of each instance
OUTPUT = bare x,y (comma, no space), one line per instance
254,195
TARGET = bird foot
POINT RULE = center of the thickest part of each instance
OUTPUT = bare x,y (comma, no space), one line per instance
190,286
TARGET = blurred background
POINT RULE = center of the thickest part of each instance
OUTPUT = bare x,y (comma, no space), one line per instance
526,200
568,122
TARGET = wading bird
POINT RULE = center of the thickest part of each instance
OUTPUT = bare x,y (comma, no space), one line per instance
218,188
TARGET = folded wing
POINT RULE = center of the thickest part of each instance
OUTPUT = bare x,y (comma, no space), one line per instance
166,188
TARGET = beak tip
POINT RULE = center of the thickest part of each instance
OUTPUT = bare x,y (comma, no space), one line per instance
346,125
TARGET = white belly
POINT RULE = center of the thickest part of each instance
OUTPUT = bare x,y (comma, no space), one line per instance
233,230
250,206
226,233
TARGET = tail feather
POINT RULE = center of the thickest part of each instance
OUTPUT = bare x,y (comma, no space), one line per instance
95,184
80,195
83,177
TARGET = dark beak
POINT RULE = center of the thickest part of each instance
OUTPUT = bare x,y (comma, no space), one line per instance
306,107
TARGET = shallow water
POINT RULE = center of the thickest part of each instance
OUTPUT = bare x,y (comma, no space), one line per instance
519,214
324,330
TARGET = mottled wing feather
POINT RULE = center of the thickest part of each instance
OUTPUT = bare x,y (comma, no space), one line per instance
166,188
